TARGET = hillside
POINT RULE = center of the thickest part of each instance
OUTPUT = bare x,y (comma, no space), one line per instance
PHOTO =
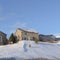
21,51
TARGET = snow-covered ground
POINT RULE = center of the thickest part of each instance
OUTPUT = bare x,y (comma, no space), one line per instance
21,51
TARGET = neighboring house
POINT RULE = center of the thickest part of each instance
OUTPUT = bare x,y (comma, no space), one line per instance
3,39
25,34
57,38
47,38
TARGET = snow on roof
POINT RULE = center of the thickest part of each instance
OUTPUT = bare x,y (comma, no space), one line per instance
58,36
28,30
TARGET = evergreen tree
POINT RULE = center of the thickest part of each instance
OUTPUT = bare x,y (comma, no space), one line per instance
13,38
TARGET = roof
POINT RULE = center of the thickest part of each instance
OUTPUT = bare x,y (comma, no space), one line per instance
28,30
2,32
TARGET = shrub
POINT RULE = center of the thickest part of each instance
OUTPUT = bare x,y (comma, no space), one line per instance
29,45
36,41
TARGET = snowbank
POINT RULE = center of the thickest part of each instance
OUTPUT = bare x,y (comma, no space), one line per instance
41,50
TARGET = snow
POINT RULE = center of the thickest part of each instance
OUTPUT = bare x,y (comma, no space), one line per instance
21,50
58,36
28,30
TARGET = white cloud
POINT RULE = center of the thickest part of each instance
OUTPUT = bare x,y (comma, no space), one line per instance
10,15
7,16
19,24
11,28
4,18
16,25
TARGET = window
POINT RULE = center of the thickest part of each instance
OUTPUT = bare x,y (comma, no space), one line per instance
0,38
32,38
25,33
24,38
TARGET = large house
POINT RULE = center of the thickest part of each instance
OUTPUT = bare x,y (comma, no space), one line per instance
3,39
25,34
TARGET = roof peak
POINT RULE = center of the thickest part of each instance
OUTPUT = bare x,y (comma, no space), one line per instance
2,32
28,30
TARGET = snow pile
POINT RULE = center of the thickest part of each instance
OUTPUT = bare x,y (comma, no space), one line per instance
22,51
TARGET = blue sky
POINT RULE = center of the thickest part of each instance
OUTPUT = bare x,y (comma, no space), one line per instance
41,15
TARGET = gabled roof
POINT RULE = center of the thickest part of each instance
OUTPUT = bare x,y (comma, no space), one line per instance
3,33
28,30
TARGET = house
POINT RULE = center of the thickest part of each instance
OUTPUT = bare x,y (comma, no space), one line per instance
26,34
3,39
47,38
